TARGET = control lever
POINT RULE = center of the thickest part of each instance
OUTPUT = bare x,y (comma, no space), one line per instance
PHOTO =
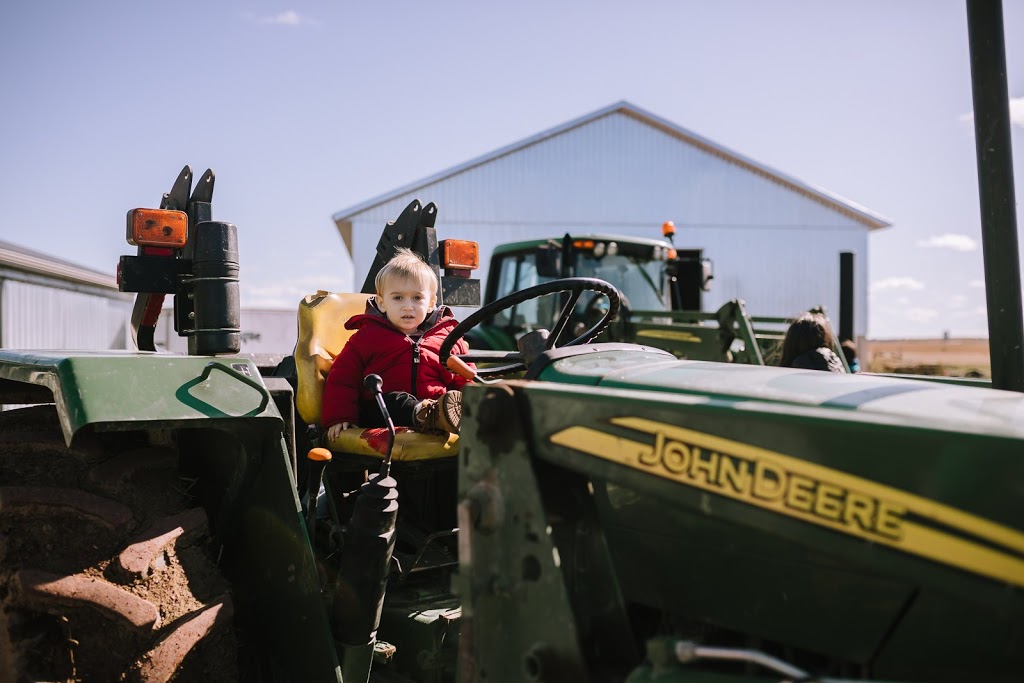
369,545
463,369
373,384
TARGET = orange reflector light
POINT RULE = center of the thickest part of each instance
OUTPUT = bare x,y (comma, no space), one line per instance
583,244
157,228
460,254
668,228
319,454
671,254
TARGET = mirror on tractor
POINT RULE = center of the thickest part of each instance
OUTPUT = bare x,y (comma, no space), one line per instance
548,258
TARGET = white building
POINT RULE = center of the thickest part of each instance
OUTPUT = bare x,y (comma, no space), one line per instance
774,240
47,303
270,331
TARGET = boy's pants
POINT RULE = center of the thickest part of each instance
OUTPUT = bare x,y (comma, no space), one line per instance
401,406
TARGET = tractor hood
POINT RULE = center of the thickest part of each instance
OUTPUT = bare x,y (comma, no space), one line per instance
855,515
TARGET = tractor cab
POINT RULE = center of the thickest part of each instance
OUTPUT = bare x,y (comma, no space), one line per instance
662,302
643,270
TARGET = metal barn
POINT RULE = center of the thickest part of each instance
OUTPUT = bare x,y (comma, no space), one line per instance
46,303
774,240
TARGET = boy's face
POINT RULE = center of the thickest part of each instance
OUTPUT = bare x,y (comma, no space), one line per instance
406,302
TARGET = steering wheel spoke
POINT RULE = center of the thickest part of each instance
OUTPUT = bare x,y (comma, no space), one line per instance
563,318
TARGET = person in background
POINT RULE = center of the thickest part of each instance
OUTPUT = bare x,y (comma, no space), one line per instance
850,351
399,338
808,345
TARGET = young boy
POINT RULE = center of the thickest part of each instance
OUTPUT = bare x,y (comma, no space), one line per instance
398,338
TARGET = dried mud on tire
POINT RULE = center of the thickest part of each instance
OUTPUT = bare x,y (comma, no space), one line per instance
106,566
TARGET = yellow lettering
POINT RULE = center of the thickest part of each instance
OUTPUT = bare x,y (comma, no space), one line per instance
890,520
769,481
734,473
859,508
800,494
706,469
761,478
828,502
651,456
676,457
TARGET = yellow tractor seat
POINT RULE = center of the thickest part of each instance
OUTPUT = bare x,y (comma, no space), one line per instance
321,336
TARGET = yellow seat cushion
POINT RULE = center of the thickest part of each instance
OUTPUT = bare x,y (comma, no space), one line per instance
321,336
410,446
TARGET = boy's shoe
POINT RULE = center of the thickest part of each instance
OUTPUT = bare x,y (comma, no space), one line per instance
440,416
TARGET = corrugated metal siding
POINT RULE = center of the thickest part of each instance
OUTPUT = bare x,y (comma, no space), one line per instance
40,317
774,247
614,170
269,331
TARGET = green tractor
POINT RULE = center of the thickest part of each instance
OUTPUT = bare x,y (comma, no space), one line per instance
149,520
662,293
613,513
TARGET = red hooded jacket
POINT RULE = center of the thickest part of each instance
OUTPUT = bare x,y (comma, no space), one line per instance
378,347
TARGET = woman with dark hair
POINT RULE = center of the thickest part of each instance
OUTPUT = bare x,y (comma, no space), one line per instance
808,344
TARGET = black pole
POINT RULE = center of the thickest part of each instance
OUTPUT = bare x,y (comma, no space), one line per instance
846,296
690,273
995,185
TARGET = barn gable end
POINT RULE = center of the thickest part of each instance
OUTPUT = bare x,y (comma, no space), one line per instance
622,170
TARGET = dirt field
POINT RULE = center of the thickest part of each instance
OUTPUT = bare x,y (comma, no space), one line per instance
953,357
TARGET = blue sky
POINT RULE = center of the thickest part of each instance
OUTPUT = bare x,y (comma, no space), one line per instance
306,108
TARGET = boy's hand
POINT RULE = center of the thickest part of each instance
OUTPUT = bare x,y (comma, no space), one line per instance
334,430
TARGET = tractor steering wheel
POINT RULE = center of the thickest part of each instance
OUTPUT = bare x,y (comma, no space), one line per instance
576,286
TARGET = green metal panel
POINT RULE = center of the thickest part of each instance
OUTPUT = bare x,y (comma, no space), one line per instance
131,390
684,340
862,397
490,337
509,563
882,500
230,436
246,483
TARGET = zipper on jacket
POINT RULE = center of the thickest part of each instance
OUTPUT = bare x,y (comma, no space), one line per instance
415,363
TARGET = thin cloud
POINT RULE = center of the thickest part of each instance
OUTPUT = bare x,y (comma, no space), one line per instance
976,283
921,315
1016,113
288,294
321,259
949,241
902,282
287,18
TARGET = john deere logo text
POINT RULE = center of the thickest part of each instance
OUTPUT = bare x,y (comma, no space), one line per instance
764,481
800,489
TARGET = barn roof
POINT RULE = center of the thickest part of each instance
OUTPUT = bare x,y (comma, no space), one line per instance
844,206
18,258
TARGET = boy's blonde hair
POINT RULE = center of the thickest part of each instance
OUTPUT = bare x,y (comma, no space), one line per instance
407,264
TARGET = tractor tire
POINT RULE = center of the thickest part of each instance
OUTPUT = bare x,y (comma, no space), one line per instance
106,567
